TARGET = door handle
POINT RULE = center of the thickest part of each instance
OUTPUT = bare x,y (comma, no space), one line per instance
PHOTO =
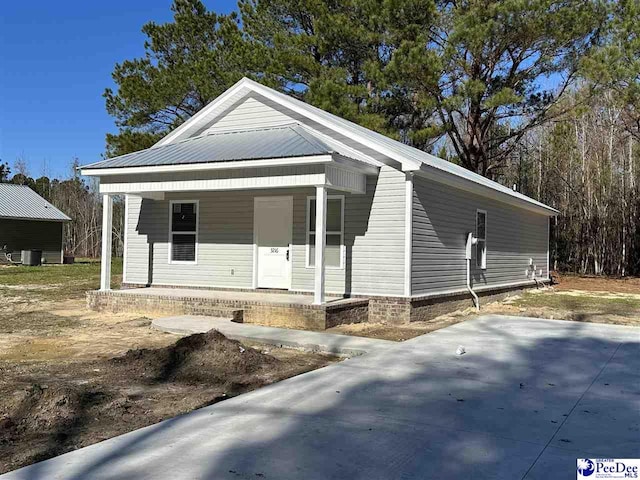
287,254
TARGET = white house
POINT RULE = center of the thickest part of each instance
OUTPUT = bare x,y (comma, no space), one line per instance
262,192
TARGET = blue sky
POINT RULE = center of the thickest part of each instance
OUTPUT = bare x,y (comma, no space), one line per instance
56,59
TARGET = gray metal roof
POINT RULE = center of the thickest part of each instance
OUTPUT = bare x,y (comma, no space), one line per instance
278,142
20,202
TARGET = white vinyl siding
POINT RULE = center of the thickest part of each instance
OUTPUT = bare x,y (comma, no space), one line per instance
225,242
443,215
373,240
249,112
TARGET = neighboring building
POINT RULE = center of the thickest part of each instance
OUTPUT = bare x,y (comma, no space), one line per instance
29,222
236,196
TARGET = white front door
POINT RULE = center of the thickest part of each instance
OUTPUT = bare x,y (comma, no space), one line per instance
273,227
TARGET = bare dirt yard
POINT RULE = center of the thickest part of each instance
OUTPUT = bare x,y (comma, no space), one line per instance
70,377
581,299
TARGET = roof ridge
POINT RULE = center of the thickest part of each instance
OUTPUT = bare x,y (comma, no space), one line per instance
309,137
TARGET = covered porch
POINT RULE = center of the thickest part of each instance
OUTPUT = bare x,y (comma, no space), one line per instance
228,211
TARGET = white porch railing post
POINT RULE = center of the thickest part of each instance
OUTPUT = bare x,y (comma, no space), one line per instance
107,224
321,236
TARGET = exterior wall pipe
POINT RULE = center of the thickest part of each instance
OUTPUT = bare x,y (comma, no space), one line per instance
471,241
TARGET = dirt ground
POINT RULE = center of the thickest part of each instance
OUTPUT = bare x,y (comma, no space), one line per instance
400,333
70,377
597,284
582,299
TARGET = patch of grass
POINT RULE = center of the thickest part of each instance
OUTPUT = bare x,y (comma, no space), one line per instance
55,282
54,274
588,304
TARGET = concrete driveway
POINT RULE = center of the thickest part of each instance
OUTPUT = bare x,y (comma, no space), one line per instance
528,398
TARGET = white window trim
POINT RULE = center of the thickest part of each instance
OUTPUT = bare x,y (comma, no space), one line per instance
172,233
328,232
483,265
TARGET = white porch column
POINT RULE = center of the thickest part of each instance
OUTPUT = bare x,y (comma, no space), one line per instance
321,240
107,224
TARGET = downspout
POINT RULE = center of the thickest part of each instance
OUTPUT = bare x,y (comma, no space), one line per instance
471,241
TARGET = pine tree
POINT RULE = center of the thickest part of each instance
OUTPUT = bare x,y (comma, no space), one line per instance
187,63
478,66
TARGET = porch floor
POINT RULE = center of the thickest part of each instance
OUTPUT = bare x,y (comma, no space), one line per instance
232,295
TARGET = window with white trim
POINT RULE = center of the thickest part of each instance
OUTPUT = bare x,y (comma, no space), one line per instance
335,232
183,231
481,235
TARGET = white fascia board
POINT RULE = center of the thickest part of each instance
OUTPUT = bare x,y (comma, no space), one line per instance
450,179
194,167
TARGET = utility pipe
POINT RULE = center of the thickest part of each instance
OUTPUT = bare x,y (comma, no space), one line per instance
471,240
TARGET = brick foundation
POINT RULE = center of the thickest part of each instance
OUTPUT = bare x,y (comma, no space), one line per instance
424,309
391,310
291,315
354,313
158,305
